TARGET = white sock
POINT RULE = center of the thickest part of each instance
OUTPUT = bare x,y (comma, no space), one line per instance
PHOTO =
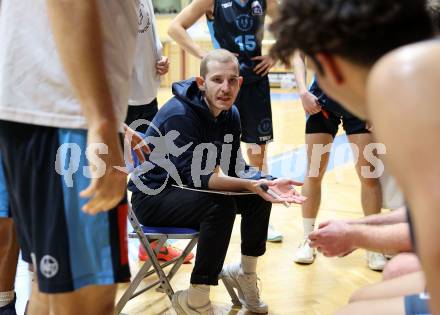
6,298
198,295
249,264
309,226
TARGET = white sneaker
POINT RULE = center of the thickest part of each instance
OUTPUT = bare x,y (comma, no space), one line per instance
181,306
273,235
247,288
376,261
304,254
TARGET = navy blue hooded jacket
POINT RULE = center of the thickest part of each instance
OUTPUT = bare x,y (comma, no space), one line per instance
185,122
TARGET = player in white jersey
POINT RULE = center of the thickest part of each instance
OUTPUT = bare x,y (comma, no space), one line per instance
149,66
64,74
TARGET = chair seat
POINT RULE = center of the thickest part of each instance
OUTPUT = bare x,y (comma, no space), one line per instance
167,230
156,232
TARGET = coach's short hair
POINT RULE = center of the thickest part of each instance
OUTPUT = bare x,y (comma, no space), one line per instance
219,55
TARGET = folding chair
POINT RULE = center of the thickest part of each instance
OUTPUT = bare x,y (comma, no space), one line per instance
161,235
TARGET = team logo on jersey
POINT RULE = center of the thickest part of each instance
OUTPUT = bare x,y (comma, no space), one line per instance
144,19
49,266
256,8
227,5
244,22
265,126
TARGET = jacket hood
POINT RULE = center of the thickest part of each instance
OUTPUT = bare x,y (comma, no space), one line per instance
187,91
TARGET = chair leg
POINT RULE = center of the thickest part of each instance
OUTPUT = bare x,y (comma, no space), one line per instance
182,257
151,254
229,287
179,261
132,287
157,267
164,279
160,243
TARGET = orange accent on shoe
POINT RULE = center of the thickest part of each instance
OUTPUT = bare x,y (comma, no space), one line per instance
166,253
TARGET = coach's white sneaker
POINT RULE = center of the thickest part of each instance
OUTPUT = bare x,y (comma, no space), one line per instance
376,261
247,287
181,306
304,254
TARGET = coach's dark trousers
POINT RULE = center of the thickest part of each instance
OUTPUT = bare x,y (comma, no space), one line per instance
213,215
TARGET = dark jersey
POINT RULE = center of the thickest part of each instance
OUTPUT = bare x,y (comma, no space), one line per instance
328,103
238,27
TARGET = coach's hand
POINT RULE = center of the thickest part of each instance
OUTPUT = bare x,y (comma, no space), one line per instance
108,185
283,187
265,63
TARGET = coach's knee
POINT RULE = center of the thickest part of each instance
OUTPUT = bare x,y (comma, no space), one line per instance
223,209
261,207
266,207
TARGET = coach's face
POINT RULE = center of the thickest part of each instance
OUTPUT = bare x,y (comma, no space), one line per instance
221,85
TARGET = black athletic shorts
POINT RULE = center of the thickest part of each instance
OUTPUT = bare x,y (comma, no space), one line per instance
332,114
146,111
45,170
254,106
